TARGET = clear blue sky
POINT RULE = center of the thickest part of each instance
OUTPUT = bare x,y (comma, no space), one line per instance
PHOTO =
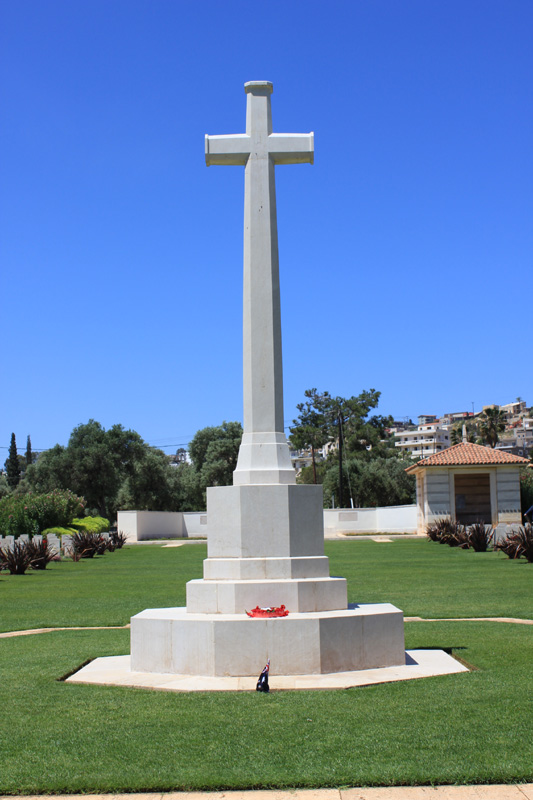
406,251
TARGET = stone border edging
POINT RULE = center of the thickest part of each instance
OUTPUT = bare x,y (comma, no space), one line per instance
469,792
31,631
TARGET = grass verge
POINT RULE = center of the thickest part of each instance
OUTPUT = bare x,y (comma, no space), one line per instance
468,728
422,578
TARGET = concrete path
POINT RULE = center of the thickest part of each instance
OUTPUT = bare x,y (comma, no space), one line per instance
375,537
31,631
328,535
496,792
506,620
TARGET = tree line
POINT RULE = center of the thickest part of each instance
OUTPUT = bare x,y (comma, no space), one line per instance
362,467
116,469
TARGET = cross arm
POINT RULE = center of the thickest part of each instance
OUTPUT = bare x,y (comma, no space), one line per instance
291,148
232,149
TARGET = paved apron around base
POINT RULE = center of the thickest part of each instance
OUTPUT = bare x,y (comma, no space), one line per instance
115,671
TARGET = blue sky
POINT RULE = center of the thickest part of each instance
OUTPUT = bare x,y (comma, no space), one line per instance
406,250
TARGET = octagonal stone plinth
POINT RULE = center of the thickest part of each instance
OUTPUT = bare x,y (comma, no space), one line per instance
174,641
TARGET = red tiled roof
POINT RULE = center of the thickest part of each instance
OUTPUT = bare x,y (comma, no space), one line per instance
466,453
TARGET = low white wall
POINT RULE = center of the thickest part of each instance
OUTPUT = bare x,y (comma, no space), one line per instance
390,519
195,523
144,525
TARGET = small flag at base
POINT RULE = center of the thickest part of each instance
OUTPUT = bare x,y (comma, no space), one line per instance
262,683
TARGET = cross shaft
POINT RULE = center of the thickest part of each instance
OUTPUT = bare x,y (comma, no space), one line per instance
264,455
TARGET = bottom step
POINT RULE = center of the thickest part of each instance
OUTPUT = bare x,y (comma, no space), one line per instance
171,640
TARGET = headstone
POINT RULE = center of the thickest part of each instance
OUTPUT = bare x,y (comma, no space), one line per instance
53,541
265,533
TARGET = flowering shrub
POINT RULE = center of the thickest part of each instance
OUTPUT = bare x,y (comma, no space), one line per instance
32,513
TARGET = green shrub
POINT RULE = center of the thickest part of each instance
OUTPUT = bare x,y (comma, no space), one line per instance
32,513
59,531
91,524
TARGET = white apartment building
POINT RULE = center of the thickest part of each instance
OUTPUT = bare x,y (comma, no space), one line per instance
425,441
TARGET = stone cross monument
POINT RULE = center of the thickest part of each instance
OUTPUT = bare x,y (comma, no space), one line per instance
265,533
264,455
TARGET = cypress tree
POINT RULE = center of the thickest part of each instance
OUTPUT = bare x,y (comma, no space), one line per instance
29,455
12,464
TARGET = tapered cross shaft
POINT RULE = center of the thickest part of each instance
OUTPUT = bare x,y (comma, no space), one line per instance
264,455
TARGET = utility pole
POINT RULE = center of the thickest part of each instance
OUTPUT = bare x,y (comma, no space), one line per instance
341,493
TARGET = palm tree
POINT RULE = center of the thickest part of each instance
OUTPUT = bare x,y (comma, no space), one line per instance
491,424
456,434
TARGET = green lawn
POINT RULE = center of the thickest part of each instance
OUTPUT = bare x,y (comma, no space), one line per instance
468,728
105,590
427,579
422,578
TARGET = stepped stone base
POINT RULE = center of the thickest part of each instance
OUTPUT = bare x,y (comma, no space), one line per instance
236,597
248,569
264,521
173,640
116,671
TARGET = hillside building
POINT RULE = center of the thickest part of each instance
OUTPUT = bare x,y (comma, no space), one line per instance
426,440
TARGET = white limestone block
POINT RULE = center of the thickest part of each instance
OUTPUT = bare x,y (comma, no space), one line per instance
236,597
265,521
151,643
264,458
259,568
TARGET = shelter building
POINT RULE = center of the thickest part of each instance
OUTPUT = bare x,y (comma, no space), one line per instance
468,483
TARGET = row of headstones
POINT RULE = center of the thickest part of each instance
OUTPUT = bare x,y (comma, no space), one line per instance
59,544
54,541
